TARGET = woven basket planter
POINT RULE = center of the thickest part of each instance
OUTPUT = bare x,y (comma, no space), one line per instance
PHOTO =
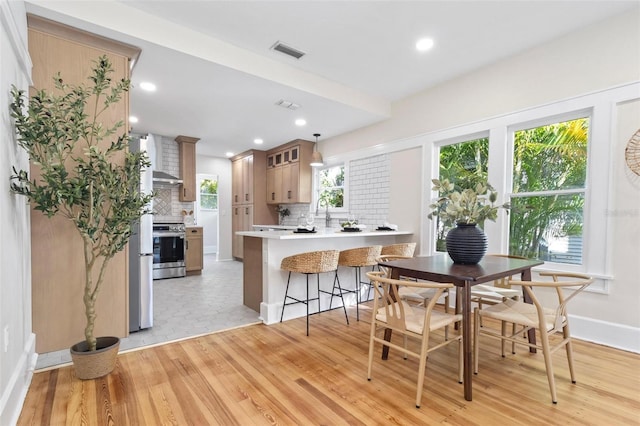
93,364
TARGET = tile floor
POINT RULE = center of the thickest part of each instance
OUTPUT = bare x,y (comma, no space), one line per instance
186,307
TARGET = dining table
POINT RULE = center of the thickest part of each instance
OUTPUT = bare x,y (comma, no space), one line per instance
440,268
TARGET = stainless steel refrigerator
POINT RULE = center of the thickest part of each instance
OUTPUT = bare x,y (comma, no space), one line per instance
141,251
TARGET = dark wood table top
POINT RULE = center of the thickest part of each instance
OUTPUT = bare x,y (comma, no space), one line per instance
440,268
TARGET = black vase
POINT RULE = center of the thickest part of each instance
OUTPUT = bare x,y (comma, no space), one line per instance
466,244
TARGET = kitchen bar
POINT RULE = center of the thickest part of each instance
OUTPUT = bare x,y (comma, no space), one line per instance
264,281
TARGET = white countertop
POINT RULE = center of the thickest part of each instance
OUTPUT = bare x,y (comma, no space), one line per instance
274,227
329,233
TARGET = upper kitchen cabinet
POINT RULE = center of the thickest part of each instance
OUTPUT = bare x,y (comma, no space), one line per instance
187,150
289,173
57,268
242,172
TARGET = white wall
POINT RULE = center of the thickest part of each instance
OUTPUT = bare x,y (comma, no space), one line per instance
222,168
17,352
599,57
405,167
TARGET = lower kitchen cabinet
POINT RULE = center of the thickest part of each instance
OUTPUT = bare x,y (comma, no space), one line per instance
242,220
194,251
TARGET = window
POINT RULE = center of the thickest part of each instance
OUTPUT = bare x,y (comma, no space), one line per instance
463,164
331,187
209,194
548,191
548,181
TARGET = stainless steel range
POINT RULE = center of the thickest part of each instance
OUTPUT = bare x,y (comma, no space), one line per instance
168,250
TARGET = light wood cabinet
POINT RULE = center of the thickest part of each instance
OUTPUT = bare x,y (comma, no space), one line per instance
249,192
291,183
57,269
187,150
247,179
236,182
194,261
242,180
274,185
242,221
289,173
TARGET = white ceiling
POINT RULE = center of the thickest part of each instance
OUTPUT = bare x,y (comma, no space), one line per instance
218,79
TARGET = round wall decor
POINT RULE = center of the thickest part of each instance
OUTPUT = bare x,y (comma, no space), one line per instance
632,153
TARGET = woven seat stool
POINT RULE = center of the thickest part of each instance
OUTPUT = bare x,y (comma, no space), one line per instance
401,249
315,262
358,258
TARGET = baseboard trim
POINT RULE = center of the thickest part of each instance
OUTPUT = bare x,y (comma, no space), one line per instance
606,333
15,392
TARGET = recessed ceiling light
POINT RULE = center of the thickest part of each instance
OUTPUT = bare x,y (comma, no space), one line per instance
424,44
133,119
147,86
229,154
258,141
301,122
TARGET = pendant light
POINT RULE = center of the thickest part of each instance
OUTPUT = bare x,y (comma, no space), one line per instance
316,157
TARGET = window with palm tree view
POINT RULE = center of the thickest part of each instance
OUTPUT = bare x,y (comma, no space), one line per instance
548,187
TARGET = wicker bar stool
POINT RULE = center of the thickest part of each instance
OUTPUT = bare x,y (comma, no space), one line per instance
358,258
315,262
401,249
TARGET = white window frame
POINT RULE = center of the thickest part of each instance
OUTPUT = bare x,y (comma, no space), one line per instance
316,189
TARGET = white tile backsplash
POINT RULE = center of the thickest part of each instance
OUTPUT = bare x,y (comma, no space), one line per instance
368,195
369,190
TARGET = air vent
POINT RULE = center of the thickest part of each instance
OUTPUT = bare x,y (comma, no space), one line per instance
287,104
287,50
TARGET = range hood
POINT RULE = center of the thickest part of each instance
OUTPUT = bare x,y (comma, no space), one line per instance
162,177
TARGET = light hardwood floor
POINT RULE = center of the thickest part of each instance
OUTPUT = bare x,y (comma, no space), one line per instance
276,375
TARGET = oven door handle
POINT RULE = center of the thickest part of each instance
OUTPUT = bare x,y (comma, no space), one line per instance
169,234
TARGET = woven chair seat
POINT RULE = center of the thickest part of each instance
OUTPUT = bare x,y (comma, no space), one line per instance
314,262
414,317
522,313
402,249
363,256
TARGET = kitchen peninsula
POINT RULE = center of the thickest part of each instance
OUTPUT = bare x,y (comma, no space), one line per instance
265,283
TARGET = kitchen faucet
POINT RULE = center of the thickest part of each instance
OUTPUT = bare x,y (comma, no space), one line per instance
327,218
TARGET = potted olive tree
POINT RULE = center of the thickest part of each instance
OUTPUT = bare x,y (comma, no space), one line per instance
88,176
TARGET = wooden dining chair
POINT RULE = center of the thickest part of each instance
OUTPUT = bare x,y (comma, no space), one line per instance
547,320
497,292
412,293
416,322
